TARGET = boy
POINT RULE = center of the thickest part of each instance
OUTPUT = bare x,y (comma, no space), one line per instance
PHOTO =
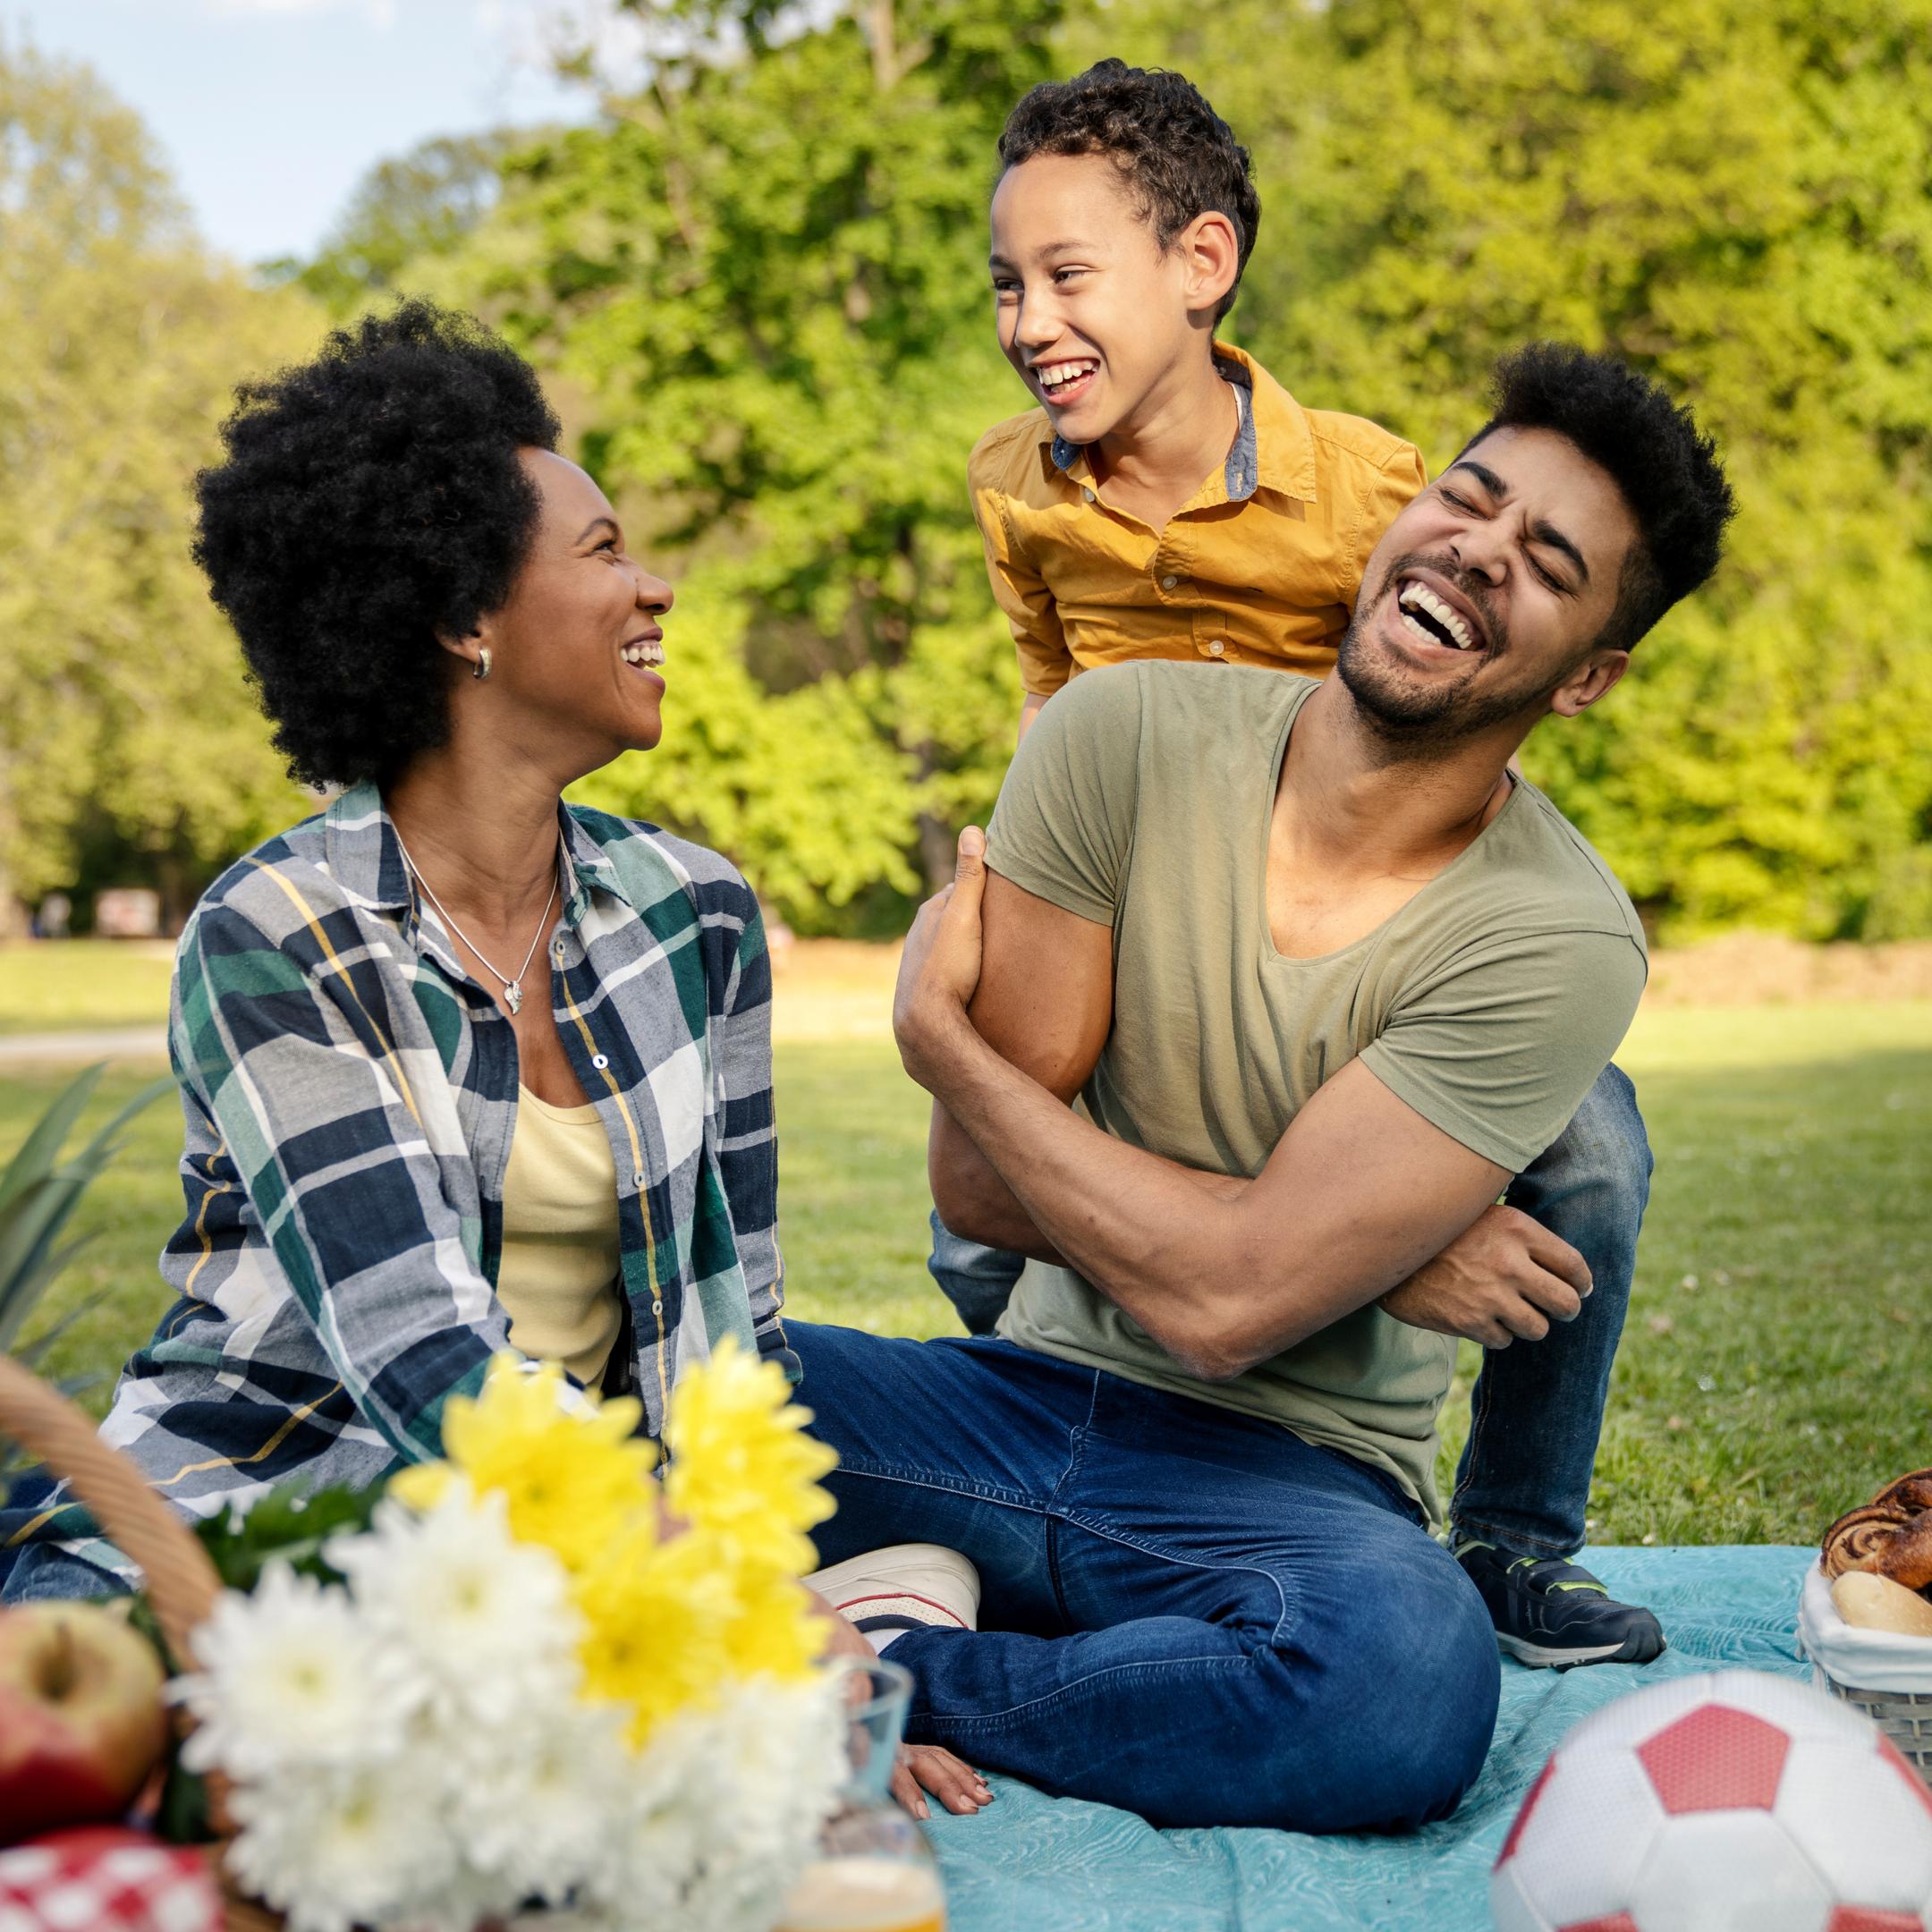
1169,499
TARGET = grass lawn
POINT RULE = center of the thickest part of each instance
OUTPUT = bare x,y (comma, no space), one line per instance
53,984
1776,1364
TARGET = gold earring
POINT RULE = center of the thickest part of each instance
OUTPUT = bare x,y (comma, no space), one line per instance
482,668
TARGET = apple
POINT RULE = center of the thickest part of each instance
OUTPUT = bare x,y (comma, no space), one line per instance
81,1720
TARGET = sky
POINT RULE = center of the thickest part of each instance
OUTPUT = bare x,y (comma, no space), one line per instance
268,112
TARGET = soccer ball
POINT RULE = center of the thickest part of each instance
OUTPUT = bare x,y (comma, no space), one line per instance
1731,1802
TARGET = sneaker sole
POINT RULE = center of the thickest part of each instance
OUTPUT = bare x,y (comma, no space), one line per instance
1635,1648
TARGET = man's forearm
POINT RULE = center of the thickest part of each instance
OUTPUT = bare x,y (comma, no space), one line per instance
1156,1238
973,1200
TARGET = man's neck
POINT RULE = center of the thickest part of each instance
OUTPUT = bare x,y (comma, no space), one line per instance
1346,808
1181,431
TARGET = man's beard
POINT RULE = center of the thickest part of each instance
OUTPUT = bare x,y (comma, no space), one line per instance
1413,717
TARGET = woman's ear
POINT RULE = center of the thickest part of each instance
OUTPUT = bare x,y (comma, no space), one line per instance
472,647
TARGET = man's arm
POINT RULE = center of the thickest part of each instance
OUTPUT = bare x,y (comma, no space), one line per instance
1045,1005
1360,1192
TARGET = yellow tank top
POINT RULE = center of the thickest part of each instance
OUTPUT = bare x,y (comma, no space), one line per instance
557,1277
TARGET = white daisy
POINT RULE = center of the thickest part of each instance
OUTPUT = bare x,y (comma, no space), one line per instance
293,1676
487,1620
367,1845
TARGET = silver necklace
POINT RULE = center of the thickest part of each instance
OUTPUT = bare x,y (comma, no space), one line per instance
513,988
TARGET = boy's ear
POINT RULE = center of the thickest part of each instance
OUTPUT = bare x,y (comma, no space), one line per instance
1210,255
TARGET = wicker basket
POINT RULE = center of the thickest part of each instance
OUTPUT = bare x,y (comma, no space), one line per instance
182,1583
1904,1717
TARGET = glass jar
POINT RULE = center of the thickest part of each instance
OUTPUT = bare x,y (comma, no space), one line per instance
874,1872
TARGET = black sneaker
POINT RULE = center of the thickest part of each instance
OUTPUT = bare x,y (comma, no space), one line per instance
1550,1613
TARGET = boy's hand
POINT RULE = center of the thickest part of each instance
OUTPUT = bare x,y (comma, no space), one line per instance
939,970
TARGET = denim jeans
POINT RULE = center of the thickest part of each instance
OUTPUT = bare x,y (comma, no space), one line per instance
1186,1612
1537,1408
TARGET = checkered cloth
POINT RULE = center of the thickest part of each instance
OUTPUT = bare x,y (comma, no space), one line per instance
350,1095
104,1880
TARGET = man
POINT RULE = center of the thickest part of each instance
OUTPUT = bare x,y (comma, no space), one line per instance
1324,974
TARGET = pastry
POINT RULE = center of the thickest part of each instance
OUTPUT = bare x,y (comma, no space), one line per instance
1855,1540
1911,1494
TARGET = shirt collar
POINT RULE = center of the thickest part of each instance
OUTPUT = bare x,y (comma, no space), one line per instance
365,858
1273,448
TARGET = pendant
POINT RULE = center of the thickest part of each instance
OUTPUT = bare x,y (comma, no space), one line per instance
512,996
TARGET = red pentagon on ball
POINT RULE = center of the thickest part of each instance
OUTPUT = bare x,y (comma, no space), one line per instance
1616,1922
1863,1919
1719,1759
1523,1812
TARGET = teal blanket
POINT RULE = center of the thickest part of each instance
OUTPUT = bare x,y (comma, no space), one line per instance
1037,1864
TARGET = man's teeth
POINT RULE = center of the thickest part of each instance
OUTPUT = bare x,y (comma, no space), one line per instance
1053,375
648,655
1417,597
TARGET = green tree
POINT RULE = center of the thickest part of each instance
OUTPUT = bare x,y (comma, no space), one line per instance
123,716
403,215
1733,194
768,275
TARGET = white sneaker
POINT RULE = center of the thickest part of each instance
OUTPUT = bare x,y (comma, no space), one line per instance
906,1586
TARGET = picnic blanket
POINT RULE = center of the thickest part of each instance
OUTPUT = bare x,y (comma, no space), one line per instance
1056,1865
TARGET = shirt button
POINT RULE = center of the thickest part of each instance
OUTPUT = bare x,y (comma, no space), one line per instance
1167,583
637,1181
1216,648
657,1308
1088,494
599,1061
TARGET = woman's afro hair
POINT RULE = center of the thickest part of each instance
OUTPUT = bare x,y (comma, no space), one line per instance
370,499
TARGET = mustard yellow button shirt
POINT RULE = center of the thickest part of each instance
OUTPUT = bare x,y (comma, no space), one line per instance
1261,566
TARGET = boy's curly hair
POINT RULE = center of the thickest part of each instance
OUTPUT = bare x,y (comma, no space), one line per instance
1666,468
1177,156
370,499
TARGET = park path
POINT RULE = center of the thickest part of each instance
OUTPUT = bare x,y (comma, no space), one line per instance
98,1043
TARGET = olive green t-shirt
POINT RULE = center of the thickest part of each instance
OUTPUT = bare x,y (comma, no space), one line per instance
1489,1003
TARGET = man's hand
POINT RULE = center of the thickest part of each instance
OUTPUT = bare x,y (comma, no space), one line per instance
1505,1278
939,970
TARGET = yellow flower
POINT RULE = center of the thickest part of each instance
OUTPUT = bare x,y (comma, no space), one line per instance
656,1620
577,1482
741,1467
773,1631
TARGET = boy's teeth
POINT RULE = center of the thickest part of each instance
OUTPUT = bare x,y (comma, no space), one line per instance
1051,374
1414,596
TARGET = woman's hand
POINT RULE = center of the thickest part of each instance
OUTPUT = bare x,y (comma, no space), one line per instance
930,1767
921,1767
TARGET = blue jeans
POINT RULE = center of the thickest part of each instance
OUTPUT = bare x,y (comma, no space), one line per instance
1537,1408
1188,1612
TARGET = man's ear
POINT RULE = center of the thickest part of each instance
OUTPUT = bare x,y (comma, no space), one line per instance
1210,252
1600,672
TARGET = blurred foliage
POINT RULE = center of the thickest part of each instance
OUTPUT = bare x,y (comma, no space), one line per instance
757,283
403,214
123,714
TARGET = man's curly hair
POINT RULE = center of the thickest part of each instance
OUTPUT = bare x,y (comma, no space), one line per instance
1666,468
370,499
1177,157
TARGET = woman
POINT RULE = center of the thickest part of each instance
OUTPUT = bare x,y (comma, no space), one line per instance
463,1070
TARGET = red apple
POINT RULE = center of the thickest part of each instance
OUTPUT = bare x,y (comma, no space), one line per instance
81,1720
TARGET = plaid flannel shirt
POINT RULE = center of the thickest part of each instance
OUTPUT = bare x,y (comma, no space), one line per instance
350,1097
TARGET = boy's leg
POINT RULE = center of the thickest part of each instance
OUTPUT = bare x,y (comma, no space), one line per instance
976,1280
1523,1484
1185,1612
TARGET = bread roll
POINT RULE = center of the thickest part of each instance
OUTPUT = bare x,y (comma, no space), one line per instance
1869,1602
1910,1494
